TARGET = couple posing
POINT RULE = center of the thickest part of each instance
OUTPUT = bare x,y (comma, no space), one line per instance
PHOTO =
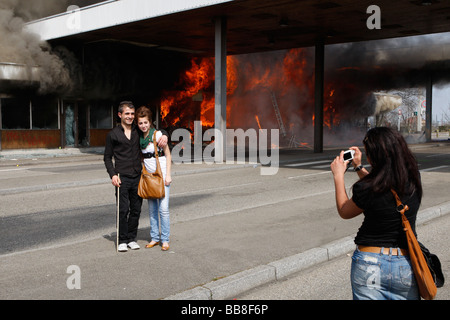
129,147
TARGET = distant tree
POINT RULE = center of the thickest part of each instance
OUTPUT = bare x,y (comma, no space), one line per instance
411,99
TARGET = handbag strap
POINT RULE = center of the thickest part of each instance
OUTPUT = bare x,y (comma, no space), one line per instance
154,144
401,208
158,166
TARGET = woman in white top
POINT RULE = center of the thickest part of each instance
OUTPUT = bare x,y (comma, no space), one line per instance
158,208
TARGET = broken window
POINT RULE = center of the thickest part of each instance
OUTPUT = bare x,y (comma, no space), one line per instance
101,115
45,113
15,113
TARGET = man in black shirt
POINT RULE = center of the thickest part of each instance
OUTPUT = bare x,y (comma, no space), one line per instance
122,144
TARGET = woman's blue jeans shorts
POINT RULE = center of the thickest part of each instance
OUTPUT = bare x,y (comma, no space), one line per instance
376,276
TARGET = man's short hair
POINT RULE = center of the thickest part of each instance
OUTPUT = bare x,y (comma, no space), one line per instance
124,104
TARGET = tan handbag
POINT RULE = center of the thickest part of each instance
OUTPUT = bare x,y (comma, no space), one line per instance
422,273
151,185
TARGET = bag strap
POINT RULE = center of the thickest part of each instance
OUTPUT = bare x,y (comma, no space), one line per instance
154,144
158,166
401,208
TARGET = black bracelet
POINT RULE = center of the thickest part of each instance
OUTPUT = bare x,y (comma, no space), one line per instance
358,168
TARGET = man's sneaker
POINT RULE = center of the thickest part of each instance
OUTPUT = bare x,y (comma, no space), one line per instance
122,247
133,245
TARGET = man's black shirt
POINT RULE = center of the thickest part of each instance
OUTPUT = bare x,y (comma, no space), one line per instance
126,152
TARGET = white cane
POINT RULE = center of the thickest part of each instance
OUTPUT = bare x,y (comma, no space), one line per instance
117,217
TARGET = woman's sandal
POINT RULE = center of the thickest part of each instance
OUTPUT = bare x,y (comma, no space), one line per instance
152,244
165,246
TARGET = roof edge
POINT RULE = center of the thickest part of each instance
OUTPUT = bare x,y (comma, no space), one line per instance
110,13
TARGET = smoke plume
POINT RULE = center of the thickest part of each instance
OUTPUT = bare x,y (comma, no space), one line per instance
358,79
58,71
393,63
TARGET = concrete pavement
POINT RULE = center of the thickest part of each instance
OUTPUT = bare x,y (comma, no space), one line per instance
101,273
287,271
331,280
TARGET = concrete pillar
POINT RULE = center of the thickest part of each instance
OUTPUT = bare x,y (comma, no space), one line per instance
1,126
220,90
428,113
318,96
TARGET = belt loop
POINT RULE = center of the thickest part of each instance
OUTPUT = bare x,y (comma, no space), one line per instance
381,251
399,252
390,251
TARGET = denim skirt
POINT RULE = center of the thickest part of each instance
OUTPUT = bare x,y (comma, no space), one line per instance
376,276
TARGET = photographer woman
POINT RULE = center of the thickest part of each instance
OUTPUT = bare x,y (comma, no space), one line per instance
381,267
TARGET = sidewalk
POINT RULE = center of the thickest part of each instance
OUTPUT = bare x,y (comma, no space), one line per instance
180,274
331,280
241,282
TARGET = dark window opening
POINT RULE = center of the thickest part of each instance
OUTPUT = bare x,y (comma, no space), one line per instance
15,113
101,117
45,113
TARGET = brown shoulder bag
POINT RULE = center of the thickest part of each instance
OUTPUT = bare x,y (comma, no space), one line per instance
422,273
151,185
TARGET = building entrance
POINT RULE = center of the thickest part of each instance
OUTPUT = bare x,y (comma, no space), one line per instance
75,125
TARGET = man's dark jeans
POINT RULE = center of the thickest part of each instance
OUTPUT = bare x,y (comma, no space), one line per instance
129,209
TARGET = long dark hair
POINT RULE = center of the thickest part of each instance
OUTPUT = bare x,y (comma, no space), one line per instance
393,164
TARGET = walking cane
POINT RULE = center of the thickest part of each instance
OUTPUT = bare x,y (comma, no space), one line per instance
117,216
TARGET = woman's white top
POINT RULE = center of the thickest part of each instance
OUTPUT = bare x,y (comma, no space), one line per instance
150,163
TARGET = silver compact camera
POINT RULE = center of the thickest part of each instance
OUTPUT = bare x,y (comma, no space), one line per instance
348,155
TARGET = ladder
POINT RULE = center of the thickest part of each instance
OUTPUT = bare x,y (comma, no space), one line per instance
277,114
292,141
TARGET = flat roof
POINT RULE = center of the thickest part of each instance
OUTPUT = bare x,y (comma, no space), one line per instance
252,25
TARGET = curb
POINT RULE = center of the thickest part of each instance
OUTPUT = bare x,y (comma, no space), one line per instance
233,285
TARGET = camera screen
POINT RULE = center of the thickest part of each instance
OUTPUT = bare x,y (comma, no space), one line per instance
348,156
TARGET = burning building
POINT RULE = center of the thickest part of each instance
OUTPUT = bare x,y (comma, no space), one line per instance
33,78
236,64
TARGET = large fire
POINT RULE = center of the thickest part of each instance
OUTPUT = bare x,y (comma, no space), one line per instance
197,83
267,90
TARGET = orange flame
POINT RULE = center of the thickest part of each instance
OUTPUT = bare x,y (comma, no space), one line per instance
197,81
257,120
194,80
292,75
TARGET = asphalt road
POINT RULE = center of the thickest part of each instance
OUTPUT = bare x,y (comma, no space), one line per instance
57,212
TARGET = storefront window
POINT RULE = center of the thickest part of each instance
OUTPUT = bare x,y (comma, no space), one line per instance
101,115
45,113
15,113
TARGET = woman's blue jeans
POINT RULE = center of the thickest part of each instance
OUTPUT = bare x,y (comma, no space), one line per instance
375,276
159,217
